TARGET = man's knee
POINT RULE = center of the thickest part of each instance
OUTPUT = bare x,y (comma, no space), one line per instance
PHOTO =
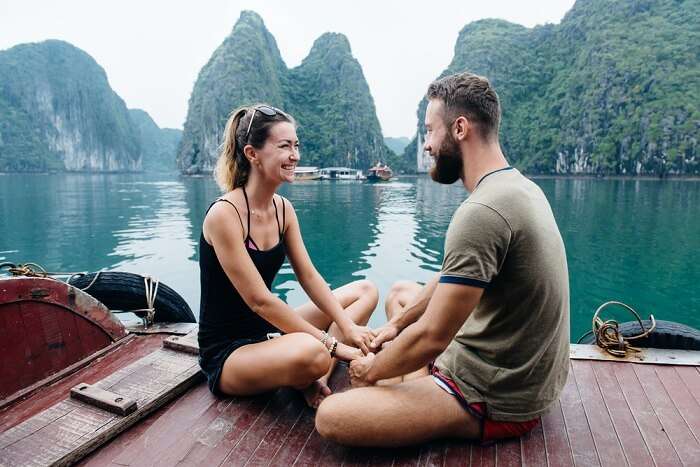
328,416
399,289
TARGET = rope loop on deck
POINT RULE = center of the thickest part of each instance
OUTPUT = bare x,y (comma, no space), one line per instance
607,333
151,286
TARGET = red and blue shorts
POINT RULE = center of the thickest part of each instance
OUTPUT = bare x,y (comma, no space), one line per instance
491,430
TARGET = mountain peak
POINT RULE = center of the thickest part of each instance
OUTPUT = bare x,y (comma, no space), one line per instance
331,41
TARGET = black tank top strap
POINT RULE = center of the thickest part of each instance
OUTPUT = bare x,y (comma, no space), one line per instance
240,219
283,220
277,218
247,207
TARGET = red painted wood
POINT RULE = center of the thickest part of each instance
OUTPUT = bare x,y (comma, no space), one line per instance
46,397
458,453
629,436
434,454
508,453
295,442
279,432
687,406
682,439
691,379
34,289
48,326
224,432
579,432
604,435
534,452
556,439
654,435
169,430
483,456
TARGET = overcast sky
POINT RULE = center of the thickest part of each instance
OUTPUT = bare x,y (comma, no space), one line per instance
152,50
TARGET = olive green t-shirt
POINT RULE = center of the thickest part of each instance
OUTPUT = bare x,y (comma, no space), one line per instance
512,352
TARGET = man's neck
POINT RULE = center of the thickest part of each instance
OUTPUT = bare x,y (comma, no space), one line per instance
483,159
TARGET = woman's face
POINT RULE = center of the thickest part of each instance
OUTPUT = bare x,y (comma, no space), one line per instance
278,158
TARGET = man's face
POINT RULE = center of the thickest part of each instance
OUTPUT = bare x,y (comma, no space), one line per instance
440,144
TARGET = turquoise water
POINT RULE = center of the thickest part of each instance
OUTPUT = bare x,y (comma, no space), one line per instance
631,240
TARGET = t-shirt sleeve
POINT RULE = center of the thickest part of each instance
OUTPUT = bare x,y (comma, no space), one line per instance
475,246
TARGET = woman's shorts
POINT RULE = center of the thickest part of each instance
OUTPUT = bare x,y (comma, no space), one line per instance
213,365
491,430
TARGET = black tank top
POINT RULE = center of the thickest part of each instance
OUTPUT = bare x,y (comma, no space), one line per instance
223,314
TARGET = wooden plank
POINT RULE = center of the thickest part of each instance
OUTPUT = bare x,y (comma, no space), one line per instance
656,439
691,378
434,455
225,431
63,373
279,431
534,452
245,448
556,439
178,329
577,427
508,453
295,442
687,406
602,427
79,428
631,439
458,453
106,400
182,344
646,355
483,456
682,439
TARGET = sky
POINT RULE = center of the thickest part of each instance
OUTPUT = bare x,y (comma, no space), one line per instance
152,50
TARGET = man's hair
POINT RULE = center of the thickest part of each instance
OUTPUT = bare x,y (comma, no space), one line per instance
471,96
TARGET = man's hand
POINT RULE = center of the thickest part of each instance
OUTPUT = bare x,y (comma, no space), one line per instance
383,334
360,337
346,353
359,369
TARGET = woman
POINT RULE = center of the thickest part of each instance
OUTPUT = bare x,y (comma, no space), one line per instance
245,237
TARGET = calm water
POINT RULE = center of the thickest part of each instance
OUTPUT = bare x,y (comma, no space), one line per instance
632,240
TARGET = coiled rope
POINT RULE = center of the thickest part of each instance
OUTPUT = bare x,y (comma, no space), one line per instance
607,333
36,270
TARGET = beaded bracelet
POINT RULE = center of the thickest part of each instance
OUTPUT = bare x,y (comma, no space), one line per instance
324,338
334,347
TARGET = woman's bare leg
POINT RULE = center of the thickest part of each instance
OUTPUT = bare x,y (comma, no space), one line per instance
296,360
359,300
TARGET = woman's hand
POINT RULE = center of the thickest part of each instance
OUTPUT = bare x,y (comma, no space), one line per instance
359,336
347,353
383,334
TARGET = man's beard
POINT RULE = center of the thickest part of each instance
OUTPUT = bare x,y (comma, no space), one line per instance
448,162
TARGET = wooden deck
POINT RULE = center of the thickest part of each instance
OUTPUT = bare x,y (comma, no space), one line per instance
610,413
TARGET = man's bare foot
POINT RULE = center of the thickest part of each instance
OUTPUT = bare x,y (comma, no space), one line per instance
315,393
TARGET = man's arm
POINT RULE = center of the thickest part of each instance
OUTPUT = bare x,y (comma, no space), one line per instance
409,315
421,342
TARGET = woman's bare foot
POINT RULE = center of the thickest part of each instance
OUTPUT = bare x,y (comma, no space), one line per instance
315,393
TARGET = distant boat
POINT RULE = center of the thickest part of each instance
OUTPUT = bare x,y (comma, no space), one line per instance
380,172
307,173
341,173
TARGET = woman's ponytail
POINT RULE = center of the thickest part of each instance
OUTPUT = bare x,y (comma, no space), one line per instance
232,168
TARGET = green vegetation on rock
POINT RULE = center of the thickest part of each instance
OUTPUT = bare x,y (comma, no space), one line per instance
613,89
158,145
327,94
58,112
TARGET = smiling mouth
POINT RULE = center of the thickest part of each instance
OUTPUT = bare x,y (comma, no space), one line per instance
289,166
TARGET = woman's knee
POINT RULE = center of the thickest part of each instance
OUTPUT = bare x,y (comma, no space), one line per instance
309,357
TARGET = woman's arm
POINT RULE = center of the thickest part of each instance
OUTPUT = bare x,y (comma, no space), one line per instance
316,288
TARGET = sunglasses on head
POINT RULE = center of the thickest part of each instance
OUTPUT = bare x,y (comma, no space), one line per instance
264,109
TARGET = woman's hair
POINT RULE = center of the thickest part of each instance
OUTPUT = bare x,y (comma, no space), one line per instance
232,167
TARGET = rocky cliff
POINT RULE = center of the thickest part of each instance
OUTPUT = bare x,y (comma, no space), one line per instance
327,94
158,145
613,89
58,112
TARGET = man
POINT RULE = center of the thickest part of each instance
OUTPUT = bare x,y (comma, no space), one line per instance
495,322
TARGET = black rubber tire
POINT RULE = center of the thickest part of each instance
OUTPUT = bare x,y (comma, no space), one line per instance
667,335
126,291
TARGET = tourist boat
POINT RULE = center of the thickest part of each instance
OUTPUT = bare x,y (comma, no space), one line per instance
307,173
341,173
80,386
379,172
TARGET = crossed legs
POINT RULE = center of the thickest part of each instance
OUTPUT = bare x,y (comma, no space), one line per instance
397,412
297,360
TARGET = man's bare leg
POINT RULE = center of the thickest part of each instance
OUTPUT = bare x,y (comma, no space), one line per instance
402,414
401,294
